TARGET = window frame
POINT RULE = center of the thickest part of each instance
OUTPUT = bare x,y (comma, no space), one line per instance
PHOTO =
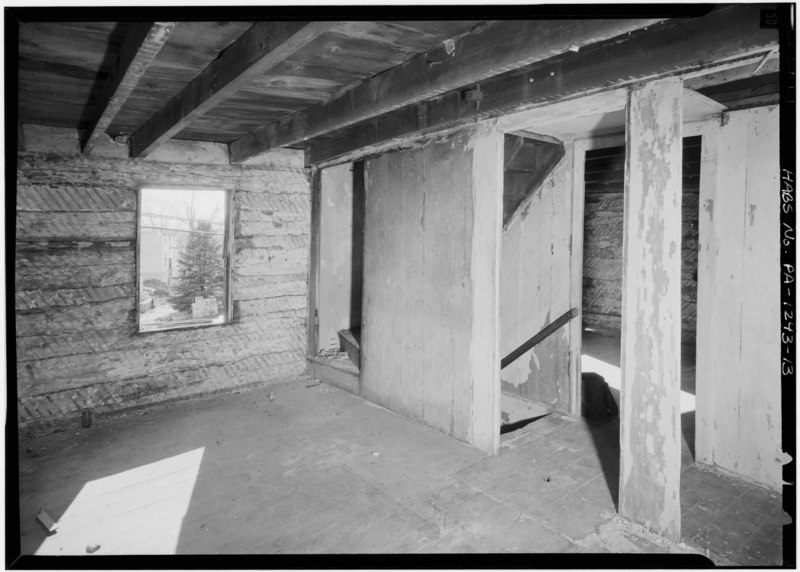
227,255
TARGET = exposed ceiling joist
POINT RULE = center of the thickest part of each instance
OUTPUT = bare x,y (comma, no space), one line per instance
262,47
142,44
669,48
474,57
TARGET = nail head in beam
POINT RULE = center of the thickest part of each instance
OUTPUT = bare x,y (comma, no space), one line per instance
140,47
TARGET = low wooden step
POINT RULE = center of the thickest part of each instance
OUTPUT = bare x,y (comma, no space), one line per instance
341,374
350,342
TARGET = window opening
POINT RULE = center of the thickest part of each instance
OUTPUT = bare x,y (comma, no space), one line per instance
183,262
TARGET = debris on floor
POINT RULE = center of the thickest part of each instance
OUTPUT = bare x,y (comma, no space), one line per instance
47,521
92,548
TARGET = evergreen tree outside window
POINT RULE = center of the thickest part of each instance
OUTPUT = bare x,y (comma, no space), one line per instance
183,270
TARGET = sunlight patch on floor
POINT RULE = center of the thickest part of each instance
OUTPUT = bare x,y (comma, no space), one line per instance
613,377
139,511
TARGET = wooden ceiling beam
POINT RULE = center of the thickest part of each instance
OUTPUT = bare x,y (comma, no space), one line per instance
262,47
488,51
141,45
675,47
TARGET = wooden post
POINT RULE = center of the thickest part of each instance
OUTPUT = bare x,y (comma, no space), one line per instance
313,265
650,442
704,423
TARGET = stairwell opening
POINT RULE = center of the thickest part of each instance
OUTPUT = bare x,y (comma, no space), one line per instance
534,362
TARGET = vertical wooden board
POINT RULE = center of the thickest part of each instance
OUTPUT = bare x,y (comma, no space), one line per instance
423,356
726,349
313,267
485,275
509,273
336,254
759,439
412,240
448,238
576,276
386,380
429,354
372,354
437,266
560,257
706,265
404,288
465,248
368,292
358,244
535,284
650,397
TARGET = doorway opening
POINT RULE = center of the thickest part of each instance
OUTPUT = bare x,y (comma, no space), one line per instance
340,267
534,341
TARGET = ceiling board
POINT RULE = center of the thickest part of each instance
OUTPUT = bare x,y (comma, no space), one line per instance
325,68
191,47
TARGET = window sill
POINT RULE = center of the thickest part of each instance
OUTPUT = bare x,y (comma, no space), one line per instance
185,327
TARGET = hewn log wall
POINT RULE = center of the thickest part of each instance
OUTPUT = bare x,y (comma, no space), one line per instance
602,262
75,282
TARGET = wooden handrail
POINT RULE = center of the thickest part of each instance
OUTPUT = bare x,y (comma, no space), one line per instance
546,331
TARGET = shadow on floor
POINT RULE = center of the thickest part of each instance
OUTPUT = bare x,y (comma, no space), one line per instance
511,427
605,435
601,355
